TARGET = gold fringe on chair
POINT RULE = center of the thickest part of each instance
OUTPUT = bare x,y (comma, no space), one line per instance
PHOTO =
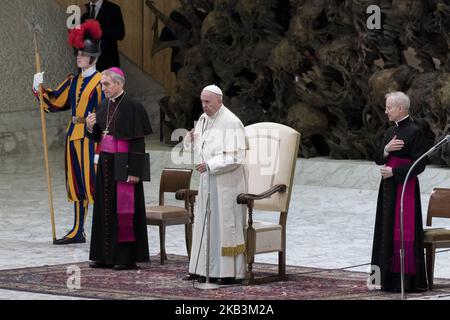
233,251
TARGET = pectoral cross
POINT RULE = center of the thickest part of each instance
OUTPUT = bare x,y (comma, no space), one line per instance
105,132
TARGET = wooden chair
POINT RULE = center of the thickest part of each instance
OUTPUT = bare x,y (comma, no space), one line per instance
163,215
438,207
271,161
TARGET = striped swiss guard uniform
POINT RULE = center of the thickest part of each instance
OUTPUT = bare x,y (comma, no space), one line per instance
81,95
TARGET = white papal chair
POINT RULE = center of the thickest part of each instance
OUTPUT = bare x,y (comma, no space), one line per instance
271,160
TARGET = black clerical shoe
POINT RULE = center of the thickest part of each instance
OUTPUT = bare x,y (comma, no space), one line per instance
96,265
399,290
65,240
125,266
416,290
388,289
190,277
203,279
228,281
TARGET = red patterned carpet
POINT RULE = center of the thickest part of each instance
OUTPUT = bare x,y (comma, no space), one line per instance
153,281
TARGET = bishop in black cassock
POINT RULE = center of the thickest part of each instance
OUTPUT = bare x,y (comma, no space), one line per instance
403,144
119,230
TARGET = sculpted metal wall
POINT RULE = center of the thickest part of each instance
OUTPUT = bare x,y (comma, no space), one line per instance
314,65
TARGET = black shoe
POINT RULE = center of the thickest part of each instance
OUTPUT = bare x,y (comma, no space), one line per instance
416,290
96,265
203,279
228,281
395,290
190,277
125,267
65,240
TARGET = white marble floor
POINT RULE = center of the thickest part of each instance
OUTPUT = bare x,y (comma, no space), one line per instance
330,223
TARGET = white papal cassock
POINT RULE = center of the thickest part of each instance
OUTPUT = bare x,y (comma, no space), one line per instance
220,143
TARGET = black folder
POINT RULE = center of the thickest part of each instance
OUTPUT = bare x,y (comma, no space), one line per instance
122,163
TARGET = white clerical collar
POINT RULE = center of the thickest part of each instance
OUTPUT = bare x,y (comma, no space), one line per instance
114,99
88,72
397,122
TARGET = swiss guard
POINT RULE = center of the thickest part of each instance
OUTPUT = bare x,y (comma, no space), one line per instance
81,94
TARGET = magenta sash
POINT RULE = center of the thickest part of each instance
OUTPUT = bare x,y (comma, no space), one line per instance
125,192
408,220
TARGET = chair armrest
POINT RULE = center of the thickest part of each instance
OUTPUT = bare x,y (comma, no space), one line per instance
185,194
188,196
246,198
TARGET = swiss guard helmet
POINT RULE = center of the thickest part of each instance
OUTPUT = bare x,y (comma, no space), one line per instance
86,38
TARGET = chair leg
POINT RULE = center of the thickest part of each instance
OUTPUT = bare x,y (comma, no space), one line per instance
250,254
188,238
161,124
250,257
430,256
250,274
162,242
281,264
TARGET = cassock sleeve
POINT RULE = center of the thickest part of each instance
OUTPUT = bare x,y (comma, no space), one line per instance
188,144
234,150
417,146
226,162
138,164
58,99
96,133
380,159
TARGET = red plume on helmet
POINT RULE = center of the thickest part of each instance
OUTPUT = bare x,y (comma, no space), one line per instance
76,38
92,28
88,30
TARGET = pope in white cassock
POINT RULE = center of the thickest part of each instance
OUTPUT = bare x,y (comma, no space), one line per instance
218,140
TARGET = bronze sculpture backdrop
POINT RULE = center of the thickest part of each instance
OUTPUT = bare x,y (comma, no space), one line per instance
313,65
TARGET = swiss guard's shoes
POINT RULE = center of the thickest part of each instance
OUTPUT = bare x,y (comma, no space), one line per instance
66,240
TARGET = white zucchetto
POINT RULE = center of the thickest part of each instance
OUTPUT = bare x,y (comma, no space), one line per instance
214,89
